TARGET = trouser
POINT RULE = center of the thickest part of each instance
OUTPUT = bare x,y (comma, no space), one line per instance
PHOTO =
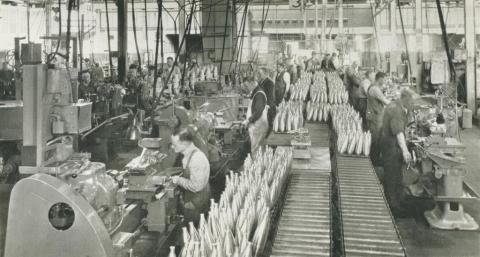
392,164
374,127
362,110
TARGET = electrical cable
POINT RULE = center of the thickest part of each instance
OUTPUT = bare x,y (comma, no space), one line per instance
383,8
51,56
135,36
453,75
264,18
159,24
110,61
80,37
331,21
376,35
238,56
445,41
224,38
181,45
187,51
146,32
405,39
69,20
208,20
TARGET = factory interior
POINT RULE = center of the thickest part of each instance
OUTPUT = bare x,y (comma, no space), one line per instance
239,128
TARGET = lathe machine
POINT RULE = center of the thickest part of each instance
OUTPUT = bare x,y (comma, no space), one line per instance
439,162
68,205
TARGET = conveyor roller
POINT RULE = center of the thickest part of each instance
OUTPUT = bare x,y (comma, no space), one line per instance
304,225
367,225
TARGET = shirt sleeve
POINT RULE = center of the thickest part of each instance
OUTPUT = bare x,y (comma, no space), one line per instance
377,93
365,85
199,174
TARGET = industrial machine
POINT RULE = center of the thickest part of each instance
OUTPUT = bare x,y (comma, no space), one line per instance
101,212
443,158
439,161
63,194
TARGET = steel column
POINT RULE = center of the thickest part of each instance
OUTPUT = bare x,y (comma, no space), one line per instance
470,47
419,42
122,28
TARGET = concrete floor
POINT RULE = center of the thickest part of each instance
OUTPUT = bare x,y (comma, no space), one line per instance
422,241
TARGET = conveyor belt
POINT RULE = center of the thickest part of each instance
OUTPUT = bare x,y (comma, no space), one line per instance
304,225
367,224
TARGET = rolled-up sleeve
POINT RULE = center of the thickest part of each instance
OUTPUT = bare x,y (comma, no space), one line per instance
377,93
199,173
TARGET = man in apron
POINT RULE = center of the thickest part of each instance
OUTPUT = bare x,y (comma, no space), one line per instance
282,83
194,179
376,102
394,148
257,114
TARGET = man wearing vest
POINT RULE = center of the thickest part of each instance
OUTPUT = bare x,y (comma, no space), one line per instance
376,102
194,179
282,83
259,113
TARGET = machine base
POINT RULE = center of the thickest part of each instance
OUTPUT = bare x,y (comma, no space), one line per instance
450,219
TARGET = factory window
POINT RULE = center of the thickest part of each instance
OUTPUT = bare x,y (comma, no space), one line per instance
61,216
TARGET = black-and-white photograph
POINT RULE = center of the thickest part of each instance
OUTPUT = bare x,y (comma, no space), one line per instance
239,128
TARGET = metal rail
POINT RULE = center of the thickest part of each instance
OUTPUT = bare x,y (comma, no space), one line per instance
368,228
304,227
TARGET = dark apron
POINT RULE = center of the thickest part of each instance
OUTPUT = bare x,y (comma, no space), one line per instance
392,164
194,203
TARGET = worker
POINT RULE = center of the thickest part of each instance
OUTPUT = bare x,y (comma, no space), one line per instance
174,76
98,74
258,112
292,70
282,83
333,62
376,102
194,179
394,148
85,88
324,64
133,86
352,83
312,63
360,94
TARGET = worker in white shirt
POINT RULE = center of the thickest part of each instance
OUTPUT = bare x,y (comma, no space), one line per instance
194,179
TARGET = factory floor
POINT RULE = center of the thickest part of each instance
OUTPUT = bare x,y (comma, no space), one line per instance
422,241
